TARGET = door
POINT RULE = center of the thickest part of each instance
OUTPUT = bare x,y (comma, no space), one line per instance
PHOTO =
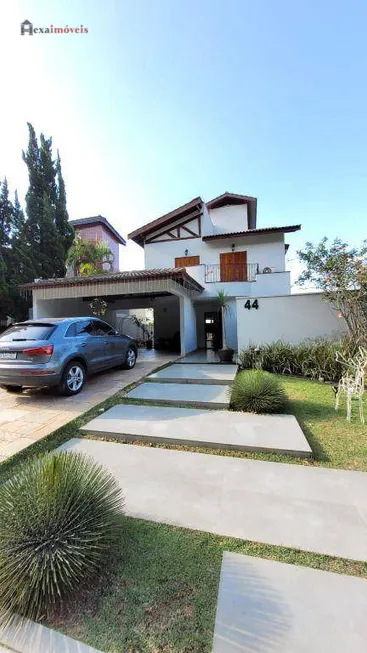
213,329
91,347
106,339
233,266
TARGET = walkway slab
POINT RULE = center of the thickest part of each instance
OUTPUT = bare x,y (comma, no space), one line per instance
25,636
215,396
309,508
274,607
202,428
196,373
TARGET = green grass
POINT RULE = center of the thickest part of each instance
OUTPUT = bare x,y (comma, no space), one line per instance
160,595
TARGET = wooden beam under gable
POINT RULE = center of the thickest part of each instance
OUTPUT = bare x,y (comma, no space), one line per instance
193,217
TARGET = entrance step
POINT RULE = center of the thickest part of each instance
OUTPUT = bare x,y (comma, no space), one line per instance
195,373
192,394
271,606
202,428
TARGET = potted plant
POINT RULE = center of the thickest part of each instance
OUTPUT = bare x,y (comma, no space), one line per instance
226,353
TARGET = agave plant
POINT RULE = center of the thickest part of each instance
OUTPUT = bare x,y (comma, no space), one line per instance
60,518
256,391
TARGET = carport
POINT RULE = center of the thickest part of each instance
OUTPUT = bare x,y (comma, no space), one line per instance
170,292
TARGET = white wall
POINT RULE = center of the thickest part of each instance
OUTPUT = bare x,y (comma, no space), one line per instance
267,251
187,325
291,318
229,218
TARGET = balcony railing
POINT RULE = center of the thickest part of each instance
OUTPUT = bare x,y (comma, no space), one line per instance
232,273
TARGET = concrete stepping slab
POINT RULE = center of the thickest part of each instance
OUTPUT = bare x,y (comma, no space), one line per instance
215,396
25,636
196,373
274,607
202,428
309,508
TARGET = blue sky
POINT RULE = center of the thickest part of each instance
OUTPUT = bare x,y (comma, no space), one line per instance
168,99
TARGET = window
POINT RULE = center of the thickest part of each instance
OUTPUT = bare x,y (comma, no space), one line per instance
84,328
20,332
102,329
186,261
71,331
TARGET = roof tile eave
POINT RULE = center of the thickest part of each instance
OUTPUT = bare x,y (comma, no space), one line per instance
249,232
128,275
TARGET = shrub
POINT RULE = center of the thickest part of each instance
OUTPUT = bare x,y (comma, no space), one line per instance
60,517
314,359
257,392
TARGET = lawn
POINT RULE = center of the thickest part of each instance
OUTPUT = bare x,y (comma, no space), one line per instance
160,596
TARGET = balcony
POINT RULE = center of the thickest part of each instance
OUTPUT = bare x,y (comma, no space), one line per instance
233,273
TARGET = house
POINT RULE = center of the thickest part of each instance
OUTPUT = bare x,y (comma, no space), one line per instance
97,229
191,253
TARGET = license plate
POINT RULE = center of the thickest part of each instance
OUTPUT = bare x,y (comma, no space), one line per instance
7,355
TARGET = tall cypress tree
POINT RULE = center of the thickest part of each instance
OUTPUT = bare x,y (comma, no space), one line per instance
41,229
63,225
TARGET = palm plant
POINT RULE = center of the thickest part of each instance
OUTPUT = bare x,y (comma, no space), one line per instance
88,257
223,301
60,518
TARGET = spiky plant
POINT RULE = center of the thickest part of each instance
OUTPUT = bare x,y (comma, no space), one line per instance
60,518
256,391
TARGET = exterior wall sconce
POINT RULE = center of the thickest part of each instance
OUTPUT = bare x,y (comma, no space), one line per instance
233,247
186,252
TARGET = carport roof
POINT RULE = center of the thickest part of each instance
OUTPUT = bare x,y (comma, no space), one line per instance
179,275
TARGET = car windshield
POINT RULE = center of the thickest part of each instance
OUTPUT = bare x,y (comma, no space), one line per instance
23,332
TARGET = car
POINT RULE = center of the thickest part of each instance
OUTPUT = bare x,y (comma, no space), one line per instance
61,352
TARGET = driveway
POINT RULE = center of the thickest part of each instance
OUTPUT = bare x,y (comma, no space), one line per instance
28,417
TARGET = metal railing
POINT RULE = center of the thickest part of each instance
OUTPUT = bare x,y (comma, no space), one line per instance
233,273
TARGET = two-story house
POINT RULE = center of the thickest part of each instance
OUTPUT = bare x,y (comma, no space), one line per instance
220,246
191,253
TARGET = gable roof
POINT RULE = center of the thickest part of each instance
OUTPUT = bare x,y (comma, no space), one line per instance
194,207
99,219
234,199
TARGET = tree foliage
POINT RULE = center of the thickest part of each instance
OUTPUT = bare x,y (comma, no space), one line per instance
34,246
340,271
86,258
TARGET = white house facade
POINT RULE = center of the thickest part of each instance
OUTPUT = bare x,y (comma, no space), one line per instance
191,253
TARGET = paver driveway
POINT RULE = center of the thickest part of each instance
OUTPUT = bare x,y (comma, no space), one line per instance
33,414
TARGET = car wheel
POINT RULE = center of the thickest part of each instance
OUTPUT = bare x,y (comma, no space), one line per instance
130,359
12,388
73,379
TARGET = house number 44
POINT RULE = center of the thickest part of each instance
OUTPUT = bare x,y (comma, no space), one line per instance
255,304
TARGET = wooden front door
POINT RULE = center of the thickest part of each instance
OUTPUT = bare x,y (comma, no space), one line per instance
186,261
233,266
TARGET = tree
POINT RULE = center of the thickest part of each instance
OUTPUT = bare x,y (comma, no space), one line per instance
62,223
340,271
45,229
223,301
89,258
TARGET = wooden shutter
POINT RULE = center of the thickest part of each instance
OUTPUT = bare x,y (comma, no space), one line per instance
186,261
233,266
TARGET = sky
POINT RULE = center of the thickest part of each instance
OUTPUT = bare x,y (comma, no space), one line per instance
165,100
